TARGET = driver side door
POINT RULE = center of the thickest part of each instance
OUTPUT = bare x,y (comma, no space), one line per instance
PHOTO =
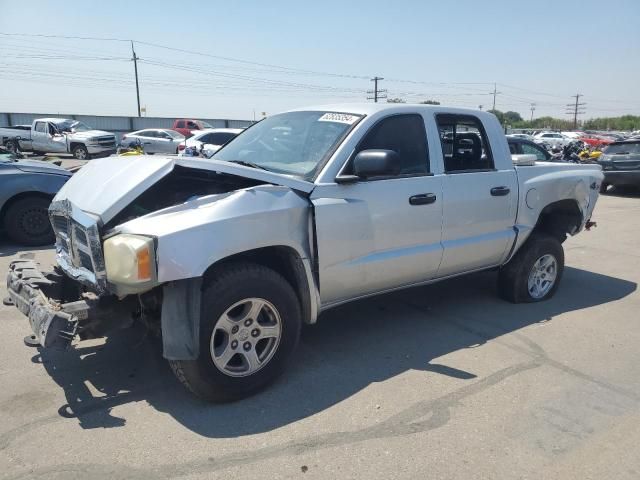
378,234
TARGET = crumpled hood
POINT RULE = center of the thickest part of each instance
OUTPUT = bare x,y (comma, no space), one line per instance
89,134
105,186
37,166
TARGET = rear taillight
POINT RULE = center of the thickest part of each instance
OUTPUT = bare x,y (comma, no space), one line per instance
181,146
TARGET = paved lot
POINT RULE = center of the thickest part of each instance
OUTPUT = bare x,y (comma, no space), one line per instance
444,381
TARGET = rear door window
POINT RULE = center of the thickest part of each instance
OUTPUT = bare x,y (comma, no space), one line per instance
465,146
41,127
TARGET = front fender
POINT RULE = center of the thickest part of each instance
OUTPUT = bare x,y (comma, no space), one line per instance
200,232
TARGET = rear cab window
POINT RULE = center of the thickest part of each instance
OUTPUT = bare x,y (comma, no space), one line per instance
465,145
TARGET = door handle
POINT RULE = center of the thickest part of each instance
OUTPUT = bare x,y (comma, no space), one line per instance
500,191
423,199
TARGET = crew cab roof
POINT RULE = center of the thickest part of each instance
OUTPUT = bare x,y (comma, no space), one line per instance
372,108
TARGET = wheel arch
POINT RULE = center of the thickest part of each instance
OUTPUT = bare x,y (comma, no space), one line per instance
74,144
559,218
286,261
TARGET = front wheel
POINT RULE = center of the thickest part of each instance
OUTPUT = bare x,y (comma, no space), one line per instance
534,273
80,152
249,326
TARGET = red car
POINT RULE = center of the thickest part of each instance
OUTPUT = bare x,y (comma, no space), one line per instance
186,125
595,141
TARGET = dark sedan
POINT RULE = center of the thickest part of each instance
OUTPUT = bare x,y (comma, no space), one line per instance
620,163
26,189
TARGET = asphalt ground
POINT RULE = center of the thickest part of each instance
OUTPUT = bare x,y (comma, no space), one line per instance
445,381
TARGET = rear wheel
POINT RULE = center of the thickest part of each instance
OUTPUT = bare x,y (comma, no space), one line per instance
27,221
534,273
249,326
11,145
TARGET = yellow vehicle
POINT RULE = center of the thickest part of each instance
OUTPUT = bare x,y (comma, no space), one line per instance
132,150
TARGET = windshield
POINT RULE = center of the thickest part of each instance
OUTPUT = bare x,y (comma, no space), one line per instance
173,133
294,143
72,126
622,149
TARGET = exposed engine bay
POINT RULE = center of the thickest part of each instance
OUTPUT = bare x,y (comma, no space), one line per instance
182,184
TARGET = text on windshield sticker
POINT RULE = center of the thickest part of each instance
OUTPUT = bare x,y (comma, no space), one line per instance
339,117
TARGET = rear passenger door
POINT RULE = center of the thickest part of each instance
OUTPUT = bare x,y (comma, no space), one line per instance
480,200
39,136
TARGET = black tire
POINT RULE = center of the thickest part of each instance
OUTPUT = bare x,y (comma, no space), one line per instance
513,278
27,221
231,284
603,188
80,152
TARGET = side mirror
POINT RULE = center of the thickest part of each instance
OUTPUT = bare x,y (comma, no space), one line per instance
376,163
372,163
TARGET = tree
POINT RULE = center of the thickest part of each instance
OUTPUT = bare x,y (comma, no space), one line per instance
512,117
396,100
430,102
498,114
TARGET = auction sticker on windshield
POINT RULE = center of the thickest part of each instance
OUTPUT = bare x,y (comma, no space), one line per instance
339,118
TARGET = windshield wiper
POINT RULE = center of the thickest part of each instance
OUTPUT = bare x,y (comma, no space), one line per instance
248,164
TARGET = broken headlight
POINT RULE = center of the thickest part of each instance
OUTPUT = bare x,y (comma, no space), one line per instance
130,260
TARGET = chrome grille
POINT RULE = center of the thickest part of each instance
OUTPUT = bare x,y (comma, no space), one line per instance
85,260
78,245
79,235
60,224
107,141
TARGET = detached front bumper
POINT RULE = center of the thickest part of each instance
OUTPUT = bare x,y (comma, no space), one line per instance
54,324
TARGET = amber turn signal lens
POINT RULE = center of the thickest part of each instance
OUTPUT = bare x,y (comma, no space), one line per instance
144,264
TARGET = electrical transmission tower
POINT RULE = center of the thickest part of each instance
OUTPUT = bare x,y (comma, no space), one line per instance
376,92
575,109
533,108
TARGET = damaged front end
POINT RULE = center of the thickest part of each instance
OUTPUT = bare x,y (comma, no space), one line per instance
186,215
58,307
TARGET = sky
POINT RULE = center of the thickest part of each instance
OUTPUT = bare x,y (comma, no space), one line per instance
239,59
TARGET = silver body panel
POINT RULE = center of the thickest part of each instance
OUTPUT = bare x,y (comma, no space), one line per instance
369,238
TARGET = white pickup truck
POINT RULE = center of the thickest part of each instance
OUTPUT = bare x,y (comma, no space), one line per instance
227,257
59,135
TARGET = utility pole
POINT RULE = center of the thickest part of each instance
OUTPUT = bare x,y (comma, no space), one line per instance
135,67
533,108
376,92
494,93
575,109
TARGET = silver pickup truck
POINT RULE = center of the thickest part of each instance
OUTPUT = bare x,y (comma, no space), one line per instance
59,135
226,258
